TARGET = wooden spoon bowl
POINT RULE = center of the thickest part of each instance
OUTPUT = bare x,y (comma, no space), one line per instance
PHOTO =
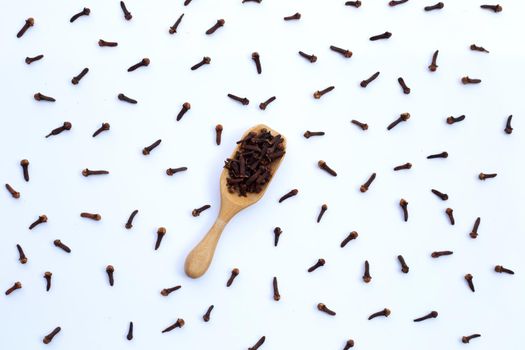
199,259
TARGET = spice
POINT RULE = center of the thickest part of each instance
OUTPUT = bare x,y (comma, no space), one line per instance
48,338
385,35
307,134
178,324
437,6
143,63
353,235
366,275
404,266
265,104
404,206
432,314
47,277
483,176
450,214
324,207
125,98
41,97
249,170
129,223
349,344
12,191
206,316
405,166
220,23
205,60
406,89
365,82
396,2
258,344
41,219
146,150
318,264
322,307
343,52
160,234
474,233
24,163
363,126
110,271
451,120
501,269
86,172
467,339
276,295
469,278
312,58
322,165
355,4
385,312
257,59
319,93
441,253
438,155
186,106
173,28
218,134
172,171
196,212
167,291
65,127
475,47
242,100
22,256
494,8
30,60
364,187
104,127
235,273
84,12
403,117
58,243
295,16
277,233
433,65
508,127
292,193
467,80
127,14
95,217
16,285
104,43
28,24
129,336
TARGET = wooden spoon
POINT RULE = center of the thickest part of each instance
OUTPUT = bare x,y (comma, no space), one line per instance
199,259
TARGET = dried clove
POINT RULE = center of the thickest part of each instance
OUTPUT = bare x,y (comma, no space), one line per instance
276,295
58,243
235,273
129,336
277,233
345,53
355,4
127,99
366,275
437,6
295,16
322,165
385,312
86,172
16,285
22,256
28,24
129,223
319,93
30,60
307,134
48,338
47,277
258,344
179,324
143,63
161,231
467,339
364,187
218,134
146,150
501,269
84,12
257,1
475,47
318,264
104,43
474,233
353,235
91,216
349,344
438,155
508,127
403,117
450,214
127,14
196,212
365,82
167,291
205,60
432,314
406,89
396,2
483,176
206,316
441,253
173,28
433,65
265,104
312,58
187,2
24,163
324,207
220,23
363,126
451,120
404,266
322,307
110,271
404,206
405,166
104,127
466,80
12,191
65,127
257,59
385,35
41,219
469,278
442,196
41,97
186,106
242,100
494,8
172,171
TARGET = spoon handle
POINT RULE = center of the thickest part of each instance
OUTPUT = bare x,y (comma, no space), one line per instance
199,259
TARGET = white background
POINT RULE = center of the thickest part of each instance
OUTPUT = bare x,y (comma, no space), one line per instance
94,316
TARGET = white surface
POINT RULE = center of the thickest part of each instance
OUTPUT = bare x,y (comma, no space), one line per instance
94,316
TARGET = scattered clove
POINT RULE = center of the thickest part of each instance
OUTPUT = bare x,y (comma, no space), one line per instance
345,53
104,43
366,276
161,231
127,99
277,233
432,314
385,35
450,214
242,100
220,23
355,4
265,104
442,196
104,127
127,14
41,219
84,12
196,212
475,47
129,336
318,264
404,206
406,89
438,155
65,127
363,126
146,150
508,127
167,291
466,80
22,256
16,285
433,65
483,176
441,253
365,82
437,6
47,277
292,193
349,344
110,271
353,235
295,16
48,338
143,63
312,58
186,106
179,324
385,312
322,165
404,266
258,344
173,28
319,93
276,295
218,134
41,97
364,187
307,134
86,172
403,117
58,243
235,273
129,223
95,217
469,278
172,171
324,207
396,2
12,191
474,233
494,8
206,316
405,166
205,60
24,163
30,60
322,307
467,339
501,269
257,59
451,120
28,24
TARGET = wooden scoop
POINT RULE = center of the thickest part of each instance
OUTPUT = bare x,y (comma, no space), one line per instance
199,259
